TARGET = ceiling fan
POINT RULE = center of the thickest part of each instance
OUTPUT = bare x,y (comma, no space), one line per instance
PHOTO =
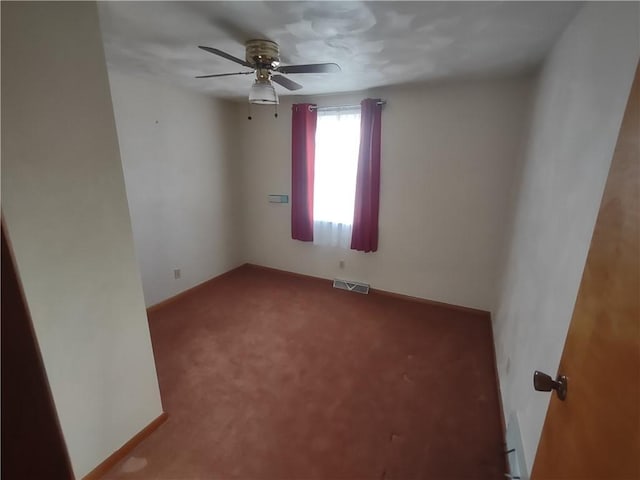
263,58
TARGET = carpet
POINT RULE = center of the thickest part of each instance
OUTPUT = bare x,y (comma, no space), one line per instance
267,375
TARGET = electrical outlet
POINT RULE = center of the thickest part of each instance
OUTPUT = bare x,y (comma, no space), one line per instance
176,273
341,264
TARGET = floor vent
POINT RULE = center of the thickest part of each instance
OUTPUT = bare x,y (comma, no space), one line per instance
351,286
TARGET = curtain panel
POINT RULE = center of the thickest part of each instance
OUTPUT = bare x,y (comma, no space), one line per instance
337,144
364,236
303,151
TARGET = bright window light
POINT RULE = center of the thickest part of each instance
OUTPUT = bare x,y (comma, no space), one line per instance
336,165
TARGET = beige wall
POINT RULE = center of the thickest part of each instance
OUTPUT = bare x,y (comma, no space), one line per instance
64,202
449,155
179,155
580,100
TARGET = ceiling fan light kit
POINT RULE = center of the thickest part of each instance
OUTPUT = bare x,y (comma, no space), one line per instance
263,56
263,93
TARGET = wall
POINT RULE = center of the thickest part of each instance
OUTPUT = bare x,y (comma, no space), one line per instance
580,100
449,155
64,203
180,169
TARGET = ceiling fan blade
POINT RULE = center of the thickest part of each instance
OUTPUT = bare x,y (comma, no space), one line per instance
222,54
312,68
285,82
223,74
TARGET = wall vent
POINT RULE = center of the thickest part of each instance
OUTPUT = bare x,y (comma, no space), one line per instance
351,286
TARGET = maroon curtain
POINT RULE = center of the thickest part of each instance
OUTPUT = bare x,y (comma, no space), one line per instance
303,153
364,236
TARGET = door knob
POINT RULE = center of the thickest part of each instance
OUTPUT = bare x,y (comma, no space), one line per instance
544,383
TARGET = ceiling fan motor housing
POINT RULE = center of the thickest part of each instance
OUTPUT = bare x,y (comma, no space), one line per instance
264,54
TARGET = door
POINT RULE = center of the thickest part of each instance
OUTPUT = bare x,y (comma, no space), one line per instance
32,443
594,433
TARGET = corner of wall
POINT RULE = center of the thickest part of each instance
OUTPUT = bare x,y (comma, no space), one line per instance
580,96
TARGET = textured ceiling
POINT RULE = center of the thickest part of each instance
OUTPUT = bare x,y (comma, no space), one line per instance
375,43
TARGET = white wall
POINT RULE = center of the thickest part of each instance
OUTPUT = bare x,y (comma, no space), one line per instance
449,154
179,155
64,202
580,101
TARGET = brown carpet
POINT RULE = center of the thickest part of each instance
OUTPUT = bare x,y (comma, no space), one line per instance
270,376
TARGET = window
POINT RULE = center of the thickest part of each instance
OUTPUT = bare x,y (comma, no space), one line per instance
336,166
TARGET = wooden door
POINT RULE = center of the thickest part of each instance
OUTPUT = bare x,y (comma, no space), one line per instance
594,433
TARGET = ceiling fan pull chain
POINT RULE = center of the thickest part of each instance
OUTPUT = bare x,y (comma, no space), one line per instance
248,111
276,107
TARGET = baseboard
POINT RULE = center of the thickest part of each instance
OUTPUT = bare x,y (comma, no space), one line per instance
434,303
503,424
287,272
125,449
375,291
186,292
386,293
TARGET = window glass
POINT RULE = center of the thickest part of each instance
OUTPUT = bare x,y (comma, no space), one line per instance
336,165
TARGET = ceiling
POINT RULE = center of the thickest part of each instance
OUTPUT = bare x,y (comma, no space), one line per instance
375,43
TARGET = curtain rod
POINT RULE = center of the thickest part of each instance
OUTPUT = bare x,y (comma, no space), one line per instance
343,107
